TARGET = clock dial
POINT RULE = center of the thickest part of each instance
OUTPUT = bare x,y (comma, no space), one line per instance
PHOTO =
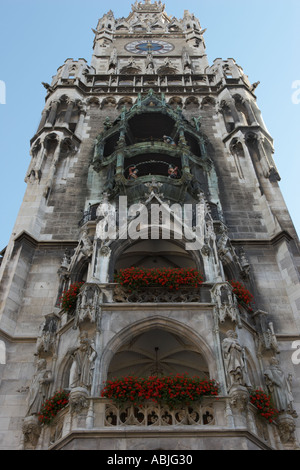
145,46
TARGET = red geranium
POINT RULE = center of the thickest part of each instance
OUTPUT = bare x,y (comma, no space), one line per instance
69,297
172,278
242,294
262,401
52,406
177,390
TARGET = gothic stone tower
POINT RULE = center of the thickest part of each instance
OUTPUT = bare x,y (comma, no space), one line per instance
150,124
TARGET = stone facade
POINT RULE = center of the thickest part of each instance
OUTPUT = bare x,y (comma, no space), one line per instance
150,101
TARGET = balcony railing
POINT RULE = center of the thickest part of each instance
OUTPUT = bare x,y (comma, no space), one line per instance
212,415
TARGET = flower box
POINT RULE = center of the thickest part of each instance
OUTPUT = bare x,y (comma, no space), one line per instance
263,403
173,391
134,279
244,297
69,297
52,406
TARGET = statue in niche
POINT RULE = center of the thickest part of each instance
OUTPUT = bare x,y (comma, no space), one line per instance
113,61
84,355
87,246
186,62
38,388
65,263
279,387
234,361
150,65
46,341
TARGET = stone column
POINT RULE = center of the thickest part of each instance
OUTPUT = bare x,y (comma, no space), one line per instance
43,119
268,163
53,112
250,112
79,127
52,168
69,112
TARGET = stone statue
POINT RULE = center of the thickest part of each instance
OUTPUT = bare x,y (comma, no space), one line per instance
234,360
83,360
87,245
38,388
279,387
46,340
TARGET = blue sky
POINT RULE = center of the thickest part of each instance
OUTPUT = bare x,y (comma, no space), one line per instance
37,36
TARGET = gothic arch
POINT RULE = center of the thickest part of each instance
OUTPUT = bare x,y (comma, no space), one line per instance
93,102
175,101
166,324
108,103
145,251
130,70
125,101
208,101
191,103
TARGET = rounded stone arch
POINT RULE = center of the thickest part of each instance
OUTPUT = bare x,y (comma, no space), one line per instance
208,101
125,101
93,102
146,251
190,339
108,102
191,103
175,101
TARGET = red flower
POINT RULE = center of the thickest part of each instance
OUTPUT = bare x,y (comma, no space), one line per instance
242,294
51,407
264,405
172,390
69,297
138,278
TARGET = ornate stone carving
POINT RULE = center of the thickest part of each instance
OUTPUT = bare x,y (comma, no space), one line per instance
157,294
78,399
31,431
158,415
266,339
86,244
226,303
87,307
46,340
239,398
286,429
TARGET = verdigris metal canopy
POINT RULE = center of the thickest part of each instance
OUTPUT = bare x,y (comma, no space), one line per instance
152,140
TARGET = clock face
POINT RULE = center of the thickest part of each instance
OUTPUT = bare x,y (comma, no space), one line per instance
146,46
